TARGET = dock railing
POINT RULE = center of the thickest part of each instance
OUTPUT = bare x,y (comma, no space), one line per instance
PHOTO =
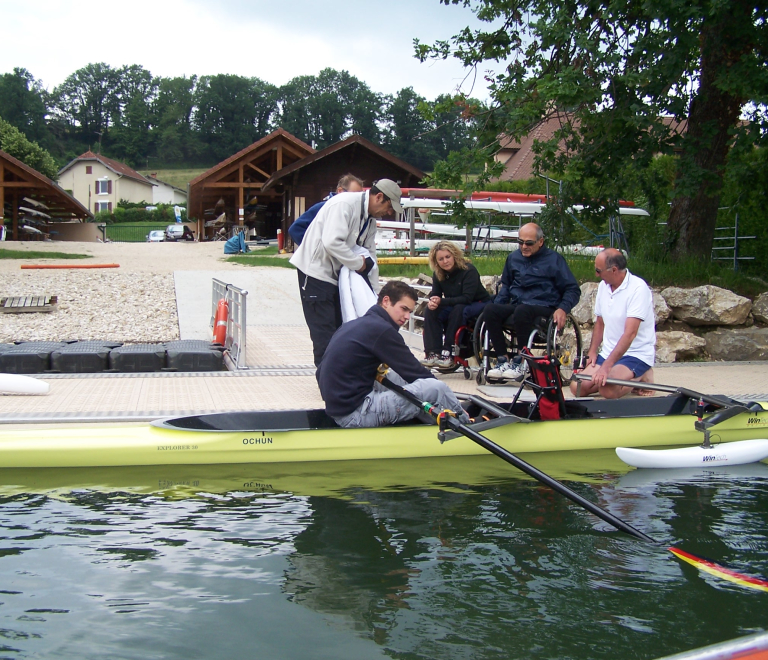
235,339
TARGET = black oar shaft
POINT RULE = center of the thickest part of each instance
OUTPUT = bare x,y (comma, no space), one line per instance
520,464
554,484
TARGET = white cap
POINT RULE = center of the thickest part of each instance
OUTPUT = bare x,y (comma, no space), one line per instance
392,191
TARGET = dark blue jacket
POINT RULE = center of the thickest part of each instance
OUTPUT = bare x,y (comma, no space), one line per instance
543,279
348,370
299,226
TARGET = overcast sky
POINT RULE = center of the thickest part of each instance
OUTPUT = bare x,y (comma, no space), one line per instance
274,40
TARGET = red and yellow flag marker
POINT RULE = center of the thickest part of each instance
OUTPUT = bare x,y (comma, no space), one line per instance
720,571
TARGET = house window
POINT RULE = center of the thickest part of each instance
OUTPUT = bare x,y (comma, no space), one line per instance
103,187
102,206
88,169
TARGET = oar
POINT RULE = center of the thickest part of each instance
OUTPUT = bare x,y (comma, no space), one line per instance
446,420
519,463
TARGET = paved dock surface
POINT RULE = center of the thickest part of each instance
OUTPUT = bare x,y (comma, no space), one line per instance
280,372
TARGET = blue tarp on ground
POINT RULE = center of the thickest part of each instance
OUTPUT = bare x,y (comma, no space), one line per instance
236,244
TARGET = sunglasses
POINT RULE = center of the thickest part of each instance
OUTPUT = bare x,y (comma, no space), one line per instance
600,270
526,243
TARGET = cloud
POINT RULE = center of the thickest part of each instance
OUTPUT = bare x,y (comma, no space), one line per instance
274,41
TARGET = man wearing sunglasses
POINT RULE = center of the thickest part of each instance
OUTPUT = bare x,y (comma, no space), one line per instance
536,282
625,325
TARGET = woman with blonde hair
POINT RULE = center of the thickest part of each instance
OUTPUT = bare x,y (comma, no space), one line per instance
457,295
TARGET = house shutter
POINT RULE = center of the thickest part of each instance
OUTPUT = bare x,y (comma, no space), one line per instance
109,207
109,187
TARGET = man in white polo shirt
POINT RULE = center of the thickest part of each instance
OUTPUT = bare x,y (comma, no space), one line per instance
624,325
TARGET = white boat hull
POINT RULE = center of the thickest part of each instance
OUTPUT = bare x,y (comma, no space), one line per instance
727,453
14,384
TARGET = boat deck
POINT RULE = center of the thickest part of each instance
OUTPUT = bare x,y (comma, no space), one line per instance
282,386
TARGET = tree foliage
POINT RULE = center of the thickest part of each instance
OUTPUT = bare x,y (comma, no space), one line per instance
14,143
128,114
23,104
233,111
326,108
624,82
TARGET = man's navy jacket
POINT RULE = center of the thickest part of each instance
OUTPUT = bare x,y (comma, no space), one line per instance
348,370
542,279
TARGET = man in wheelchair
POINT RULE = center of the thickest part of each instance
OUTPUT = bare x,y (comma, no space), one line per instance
536,282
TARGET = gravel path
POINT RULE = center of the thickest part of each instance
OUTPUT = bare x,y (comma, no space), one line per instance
133,303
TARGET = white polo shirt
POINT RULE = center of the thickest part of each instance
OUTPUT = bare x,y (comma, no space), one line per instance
633,298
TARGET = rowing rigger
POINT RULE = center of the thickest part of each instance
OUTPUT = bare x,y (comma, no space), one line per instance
706,454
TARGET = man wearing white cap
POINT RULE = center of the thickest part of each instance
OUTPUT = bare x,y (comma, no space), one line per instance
344,225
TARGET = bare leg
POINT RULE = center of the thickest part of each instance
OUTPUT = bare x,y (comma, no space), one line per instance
587,386
647,377
619,372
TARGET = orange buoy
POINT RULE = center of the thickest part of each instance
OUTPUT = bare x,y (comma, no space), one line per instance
220,322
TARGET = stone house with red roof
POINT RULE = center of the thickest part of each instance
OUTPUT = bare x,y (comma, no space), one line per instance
99,183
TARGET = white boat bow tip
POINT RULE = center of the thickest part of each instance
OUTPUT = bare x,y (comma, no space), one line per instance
15,384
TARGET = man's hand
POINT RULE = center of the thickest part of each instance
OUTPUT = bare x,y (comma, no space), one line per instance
602,374
368,264
433,303
559,317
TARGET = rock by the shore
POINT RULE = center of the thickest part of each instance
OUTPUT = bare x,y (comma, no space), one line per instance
673,345
738,344
584,312
661,311
760,308
707,305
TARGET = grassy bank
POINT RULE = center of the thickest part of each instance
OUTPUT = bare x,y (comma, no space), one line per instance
38,254
657,274
266,256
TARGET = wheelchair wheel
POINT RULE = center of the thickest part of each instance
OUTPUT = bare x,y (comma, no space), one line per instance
478,342
478,339
565,346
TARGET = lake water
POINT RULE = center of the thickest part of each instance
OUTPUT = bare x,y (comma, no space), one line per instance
451,559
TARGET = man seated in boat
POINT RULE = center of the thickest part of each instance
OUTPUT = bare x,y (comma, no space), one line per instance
536,282
626,327
347,374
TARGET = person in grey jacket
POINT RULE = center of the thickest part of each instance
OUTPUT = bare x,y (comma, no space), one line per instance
346,223
347,375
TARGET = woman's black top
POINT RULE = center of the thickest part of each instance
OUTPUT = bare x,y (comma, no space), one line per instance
460,287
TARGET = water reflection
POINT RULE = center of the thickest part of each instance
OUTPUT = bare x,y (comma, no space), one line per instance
450,559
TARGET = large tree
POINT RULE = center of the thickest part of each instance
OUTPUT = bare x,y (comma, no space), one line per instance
233,112
408,133
24,104
88,101
329,107
625,81
15,143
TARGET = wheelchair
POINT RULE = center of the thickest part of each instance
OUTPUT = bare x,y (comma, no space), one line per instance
463,350
563,346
